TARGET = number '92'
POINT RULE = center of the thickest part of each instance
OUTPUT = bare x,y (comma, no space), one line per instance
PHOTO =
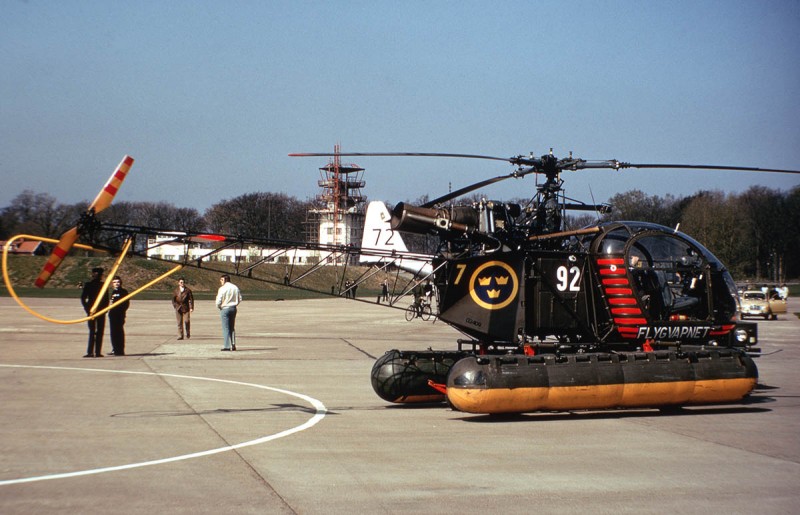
568,279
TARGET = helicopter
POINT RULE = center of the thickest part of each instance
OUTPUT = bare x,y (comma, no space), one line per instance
613,315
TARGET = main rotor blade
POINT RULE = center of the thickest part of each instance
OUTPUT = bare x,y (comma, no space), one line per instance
106,195
706,167
464,190
545,164
522,160
396,154
62,248
68,239
476,186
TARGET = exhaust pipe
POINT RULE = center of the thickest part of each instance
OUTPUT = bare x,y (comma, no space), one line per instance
424,220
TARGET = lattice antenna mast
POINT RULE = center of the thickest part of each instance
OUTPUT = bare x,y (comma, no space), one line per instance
337,190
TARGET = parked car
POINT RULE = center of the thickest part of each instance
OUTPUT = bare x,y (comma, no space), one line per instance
756,303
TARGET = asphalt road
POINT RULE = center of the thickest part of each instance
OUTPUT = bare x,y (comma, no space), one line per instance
289,424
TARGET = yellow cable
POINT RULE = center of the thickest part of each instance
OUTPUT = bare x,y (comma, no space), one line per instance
110,277
151,283
103,311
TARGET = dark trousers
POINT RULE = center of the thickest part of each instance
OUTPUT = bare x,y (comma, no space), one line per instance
97,327
117,330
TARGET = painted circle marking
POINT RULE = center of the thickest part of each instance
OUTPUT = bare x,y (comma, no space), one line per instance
320,412
504,294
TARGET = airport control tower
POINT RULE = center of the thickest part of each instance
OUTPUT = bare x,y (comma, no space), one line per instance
340,218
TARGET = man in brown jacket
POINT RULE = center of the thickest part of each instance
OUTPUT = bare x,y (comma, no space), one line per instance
183,302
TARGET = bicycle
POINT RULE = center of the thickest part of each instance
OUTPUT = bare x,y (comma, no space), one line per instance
422,310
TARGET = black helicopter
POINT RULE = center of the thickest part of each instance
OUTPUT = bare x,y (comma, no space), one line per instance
617,314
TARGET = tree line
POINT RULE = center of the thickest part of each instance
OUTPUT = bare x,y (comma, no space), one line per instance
755,233
262,215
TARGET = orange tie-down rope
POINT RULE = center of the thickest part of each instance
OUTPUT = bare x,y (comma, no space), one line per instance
110,277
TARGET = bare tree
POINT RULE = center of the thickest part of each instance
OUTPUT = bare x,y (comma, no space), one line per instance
259,215
711,217
157,215
791,227
637,205
39,214
762,213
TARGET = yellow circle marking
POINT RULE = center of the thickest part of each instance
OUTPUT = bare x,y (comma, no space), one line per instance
505,302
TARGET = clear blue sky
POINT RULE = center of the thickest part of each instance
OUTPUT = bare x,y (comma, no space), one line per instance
210,97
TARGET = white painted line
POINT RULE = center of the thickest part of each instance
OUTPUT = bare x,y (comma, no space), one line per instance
320,412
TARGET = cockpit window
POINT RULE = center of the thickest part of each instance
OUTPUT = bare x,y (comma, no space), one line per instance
670,275
675,277
614,242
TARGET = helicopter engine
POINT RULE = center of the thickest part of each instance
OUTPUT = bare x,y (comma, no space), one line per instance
442,221
485,223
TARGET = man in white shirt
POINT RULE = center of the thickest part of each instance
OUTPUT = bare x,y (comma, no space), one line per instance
228,297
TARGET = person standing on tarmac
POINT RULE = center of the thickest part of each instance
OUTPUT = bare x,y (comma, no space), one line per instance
97,325
385,290
183,302
116,316
228,297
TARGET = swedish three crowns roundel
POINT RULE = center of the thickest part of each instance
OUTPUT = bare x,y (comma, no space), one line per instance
493,285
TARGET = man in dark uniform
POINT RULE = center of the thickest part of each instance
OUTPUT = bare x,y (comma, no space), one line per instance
116,316
91,290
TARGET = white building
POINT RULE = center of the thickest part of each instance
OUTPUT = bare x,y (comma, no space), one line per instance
165,246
